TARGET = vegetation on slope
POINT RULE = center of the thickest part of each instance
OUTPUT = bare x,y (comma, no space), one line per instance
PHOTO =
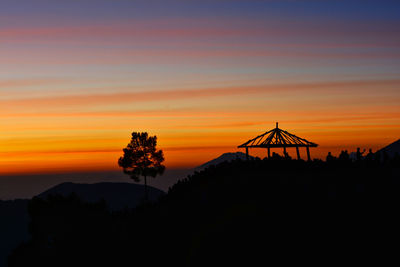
239,212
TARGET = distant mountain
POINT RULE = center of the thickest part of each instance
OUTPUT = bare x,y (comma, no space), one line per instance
391,149
117,195
14,215
224,157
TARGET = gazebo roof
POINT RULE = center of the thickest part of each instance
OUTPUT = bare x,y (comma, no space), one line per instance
277,138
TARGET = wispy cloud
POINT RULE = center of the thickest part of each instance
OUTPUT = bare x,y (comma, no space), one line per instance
171,30
162,95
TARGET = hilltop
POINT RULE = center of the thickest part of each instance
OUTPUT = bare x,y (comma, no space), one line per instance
246,212
391,150
116,195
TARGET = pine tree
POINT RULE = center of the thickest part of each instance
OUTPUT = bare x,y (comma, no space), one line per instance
141,158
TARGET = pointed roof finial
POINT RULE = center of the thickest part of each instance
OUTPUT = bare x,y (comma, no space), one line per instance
277,125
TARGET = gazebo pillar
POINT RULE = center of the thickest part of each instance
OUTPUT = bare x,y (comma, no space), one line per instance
269,152
284,151
308,153
247,153
298,152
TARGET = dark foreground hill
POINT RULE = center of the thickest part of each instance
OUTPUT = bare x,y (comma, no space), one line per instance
13,226
116,195
14,216
257,212
390,150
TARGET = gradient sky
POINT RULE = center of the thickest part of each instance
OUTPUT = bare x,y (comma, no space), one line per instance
77,77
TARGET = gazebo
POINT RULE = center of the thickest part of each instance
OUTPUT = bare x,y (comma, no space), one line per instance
278,138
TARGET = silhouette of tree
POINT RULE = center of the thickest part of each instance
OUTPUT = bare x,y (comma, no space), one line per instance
344,156
370,156
359,154
329,157
141,158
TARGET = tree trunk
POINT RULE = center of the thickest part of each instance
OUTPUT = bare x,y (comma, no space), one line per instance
146,197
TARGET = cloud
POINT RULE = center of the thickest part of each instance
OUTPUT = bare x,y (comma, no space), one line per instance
163,95
208,30
16,83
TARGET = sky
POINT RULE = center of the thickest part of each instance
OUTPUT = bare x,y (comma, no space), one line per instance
77,77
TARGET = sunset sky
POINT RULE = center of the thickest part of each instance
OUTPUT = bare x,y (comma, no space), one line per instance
77,77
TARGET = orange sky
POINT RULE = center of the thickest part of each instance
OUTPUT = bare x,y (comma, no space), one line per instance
88,132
